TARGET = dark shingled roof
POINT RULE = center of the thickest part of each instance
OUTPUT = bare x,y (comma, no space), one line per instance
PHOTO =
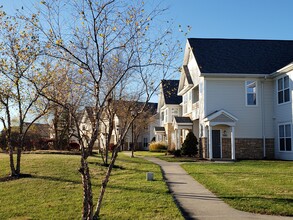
183,120
170,88
162,129
241,56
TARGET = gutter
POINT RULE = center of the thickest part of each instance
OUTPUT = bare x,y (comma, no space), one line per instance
263,118
234,75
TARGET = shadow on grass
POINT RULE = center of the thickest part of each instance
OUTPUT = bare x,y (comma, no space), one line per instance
233,173
273,199
149,190
58,179
107,165
29,176
11,178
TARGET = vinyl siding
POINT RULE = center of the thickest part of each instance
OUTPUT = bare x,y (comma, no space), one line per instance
230,95
283,114
193,69
268,108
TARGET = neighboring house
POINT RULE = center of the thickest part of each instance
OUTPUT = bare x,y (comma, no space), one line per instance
168,108
140,132
143,127
237,98
86,124
42,131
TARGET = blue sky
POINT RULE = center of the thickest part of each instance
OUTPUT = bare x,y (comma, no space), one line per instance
249,19
246,19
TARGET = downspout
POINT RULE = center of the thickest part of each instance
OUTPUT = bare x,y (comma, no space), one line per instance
263,118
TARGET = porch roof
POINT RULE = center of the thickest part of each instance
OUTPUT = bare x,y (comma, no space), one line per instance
220,117
183,122
160,130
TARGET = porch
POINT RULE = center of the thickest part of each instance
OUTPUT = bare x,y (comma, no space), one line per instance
220,135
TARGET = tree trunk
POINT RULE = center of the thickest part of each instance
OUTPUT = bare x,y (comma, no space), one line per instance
87,212
11,161
18,157
87,207
104,184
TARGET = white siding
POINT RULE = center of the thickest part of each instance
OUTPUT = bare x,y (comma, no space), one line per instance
193,69
229,95
283,114
268,108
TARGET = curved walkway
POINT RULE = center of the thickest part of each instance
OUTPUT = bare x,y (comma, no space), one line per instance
195,201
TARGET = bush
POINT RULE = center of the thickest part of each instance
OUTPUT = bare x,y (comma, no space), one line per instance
159,146
177,153
189,146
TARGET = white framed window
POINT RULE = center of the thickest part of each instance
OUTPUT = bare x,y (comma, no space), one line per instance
190,95
185,103
285,140
251,93
166,116
174,112
283,90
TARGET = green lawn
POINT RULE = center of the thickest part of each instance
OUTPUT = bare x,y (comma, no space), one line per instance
55,191
256,186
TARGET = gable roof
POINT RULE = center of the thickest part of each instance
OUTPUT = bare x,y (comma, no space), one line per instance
182,120
159,129
220,117
240,56
170,88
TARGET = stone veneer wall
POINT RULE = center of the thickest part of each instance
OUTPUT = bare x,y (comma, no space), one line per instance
202,147
248,148
170,129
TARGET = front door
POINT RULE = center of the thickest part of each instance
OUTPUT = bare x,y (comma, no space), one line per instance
216,144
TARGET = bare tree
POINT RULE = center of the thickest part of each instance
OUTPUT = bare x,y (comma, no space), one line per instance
19,50
94,36
6,98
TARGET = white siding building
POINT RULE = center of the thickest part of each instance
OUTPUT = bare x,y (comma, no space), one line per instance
238,93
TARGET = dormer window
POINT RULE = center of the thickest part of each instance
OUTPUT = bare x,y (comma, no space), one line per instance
283,90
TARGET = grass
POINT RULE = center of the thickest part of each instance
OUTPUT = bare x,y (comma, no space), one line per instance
264,187
54,191
163,156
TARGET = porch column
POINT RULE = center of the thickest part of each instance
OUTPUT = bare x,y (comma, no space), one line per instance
210,142
233,143
178,138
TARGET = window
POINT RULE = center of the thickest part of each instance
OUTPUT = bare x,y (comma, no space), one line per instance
166,116
251,93
285,137
175,112
190,96
145,142
283,90
185,103
195,95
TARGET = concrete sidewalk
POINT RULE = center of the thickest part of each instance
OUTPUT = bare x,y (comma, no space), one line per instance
195,201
